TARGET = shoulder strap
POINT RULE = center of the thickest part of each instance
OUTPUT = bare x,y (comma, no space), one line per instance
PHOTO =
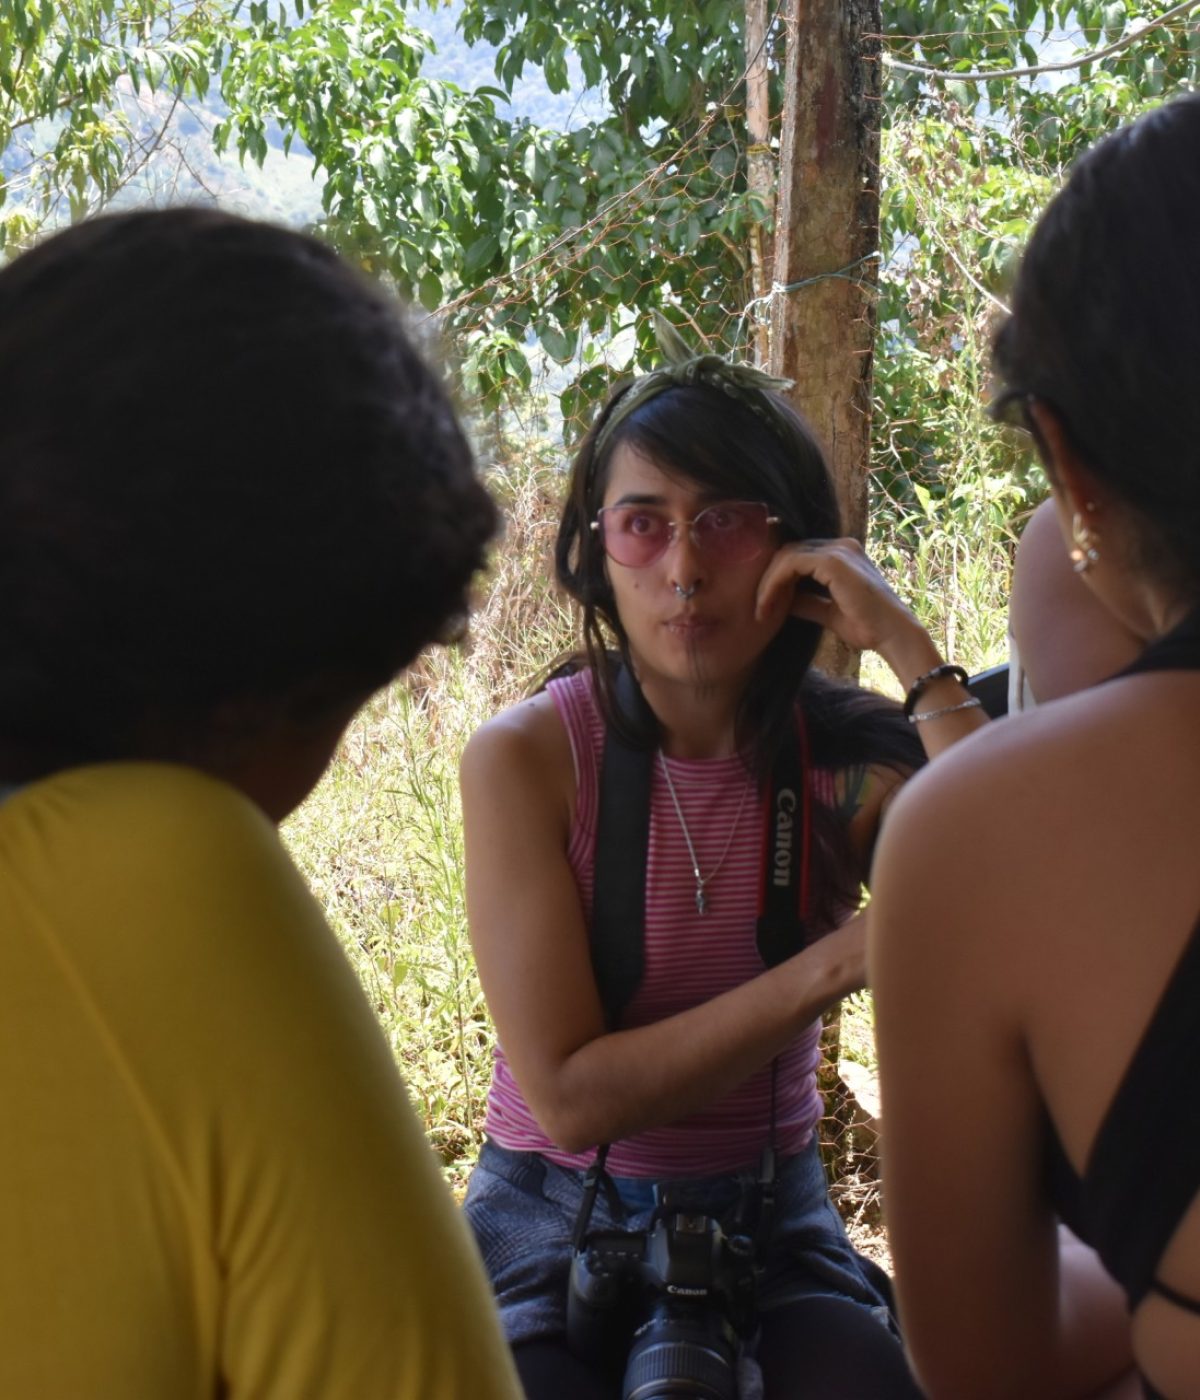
787,849
618,923
1144,1168
1176,650
622,840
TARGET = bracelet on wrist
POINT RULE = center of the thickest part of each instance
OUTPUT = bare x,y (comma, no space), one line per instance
917,716
946,670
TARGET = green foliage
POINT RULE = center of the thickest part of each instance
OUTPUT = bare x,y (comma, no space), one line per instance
532,242
948,486
657,61
406,162
79,88
517,233
994,34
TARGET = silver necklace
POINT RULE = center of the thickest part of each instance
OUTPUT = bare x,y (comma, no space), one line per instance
701,880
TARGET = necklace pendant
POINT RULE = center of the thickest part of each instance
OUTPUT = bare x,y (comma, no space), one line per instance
701,902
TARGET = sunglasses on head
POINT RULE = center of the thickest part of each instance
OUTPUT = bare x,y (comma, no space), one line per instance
729,532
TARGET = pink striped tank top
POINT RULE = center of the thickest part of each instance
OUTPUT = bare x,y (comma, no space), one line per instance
688,958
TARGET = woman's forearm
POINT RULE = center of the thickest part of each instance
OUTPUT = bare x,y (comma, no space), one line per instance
625,1081
945,703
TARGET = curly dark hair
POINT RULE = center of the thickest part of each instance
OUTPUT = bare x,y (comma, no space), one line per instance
1105,327
225,473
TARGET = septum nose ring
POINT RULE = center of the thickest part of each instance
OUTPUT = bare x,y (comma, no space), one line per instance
686,593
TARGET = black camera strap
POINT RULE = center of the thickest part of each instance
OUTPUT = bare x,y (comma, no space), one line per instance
622,842
594,1178
786,851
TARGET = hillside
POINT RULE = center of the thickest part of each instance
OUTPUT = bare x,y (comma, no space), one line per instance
185,167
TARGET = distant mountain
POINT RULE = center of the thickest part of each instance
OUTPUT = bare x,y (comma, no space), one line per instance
186,168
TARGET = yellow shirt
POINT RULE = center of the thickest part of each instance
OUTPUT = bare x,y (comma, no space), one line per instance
211,1182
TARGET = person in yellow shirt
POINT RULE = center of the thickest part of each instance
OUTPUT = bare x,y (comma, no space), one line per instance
234,501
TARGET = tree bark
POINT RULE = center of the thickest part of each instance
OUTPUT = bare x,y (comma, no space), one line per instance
827,239
760,168
823,325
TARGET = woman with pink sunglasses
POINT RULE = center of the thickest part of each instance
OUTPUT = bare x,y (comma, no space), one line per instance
666,847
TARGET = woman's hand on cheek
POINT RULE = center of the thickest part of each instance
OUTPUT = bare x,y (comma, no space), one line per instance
834,584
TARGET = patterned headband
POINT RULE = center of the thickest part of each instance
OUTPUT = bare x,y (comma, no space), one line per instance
683,368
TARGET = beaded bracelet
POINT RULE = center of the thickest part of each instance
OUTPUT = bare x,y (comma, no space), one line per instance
917,716
918,686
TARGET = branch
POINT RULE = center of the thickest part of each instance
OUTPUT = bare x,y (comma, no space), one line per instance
984,75
599,220
147,149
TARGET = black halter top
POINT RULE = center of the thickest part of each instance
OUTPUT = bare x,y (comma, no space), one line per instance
1143,1171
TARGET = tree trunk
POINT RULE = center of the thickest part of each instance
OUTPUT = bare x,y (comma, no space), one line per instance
823,326
827,240
760,170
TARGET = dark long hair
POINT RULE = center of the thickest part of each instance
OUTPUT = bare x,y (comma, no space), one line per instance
1105,328
225,473
704,435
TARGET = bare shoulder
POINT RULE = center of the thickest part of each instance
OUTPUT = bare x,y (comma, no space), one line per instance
1066,639
1025,787
967,795
524,748
531,725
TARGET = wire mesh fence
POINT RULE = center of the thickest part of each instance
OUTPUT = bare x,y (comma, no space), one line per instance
961,183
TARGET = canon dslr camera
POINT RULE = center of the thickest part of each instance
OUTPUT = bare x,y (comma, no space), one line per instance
677,1297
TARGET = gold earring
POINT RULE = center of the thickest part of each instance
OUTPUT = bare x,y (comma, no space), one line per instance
1085,555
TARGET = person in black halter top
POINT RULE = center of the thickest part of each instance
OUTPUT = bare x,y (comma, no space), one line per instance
1034,944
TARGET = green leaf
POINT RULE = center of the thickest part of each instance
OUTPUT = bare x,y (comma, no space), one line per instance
1115,16
480,254
557,344
429,290
589,61
379,158
676,83
518,366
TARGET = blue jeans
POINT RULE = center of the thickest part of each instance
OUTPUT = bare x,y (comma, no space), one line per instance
523,1210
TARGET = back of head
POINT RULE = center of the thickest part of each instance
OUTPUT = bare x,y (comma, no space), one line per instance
1105,327
225,473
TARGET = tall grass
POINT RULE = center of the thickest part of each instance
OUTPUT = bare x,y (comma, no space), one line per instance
380,840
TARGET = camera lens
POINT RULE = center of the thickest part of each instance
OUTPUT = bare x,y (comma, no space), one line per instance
677,1355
